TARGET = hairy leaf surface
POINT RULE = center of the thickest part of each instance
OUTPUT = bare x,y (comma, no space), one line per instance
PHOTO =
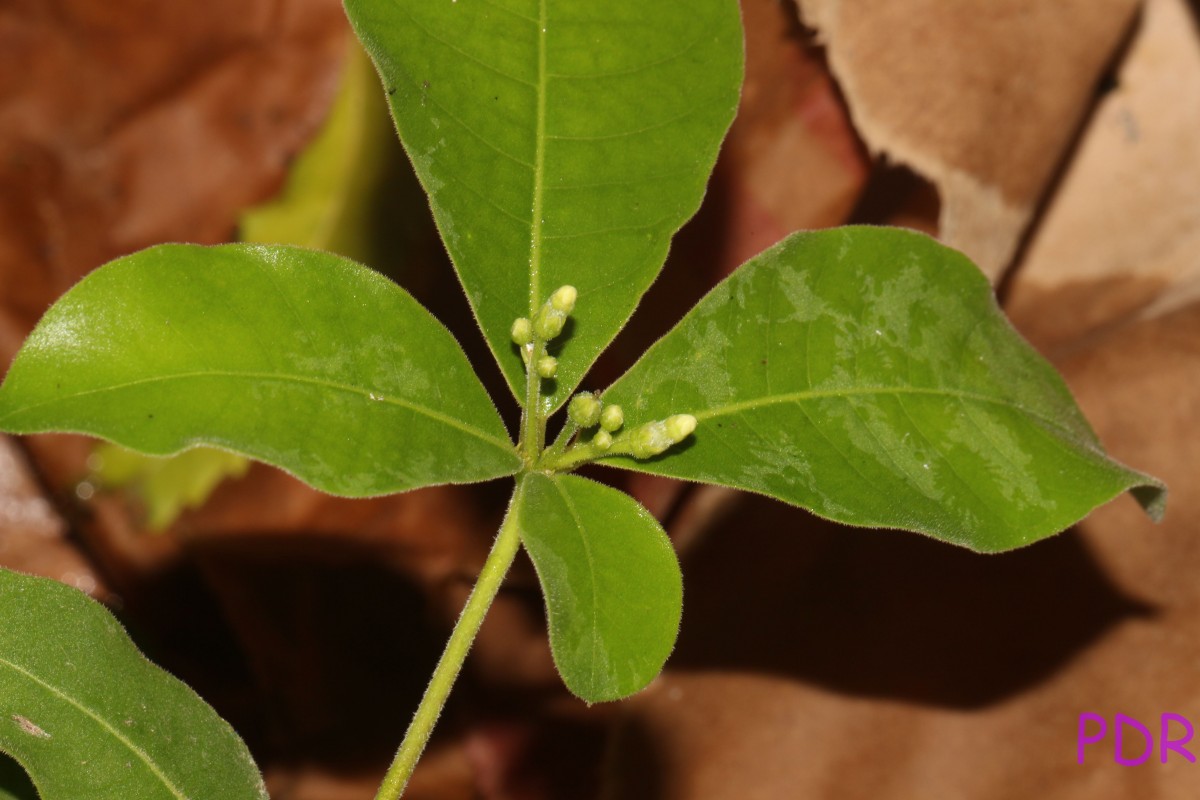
88,716
868,375
611,580
561,142
301,359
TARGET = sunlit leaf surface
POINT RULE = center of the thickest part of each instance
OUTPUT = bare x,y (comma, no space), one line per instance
301,359
561,142
868,375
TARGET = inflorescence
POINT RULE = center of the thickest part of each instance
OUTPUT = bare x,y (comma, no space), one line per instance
597,429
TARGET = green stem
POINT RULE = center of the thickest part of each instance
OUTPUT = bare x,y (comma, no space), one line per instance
508,541
533,425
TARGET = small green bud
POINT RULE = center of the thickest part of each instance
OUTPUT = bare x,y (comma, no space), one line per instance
584,410
612,418
547,366
650,440
549,323
564,299
602,440
680,426
522,332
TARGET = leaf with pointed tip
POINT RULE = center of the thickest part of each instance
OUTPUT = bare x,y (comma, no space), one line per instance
88,716
612,584
867,374
302,359
561,142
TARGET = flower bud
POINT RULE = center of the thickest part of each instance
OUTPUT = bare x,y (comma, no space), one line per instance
522,332
564,299
584,410
680,426
547,366
655,437
549,323
650,440
602,440
612,418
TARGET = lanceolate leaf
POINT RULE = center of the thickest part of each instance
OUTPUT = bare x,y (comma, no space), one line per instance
302,359
868,375
560,141
611,579
89,717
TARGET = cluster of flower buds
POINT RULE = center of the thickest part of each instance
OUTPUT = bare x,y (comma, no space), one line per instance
547,324
587,412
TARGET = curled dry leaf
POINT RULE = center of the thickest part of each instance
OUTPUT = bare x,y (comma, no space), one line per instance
1120,238
981,99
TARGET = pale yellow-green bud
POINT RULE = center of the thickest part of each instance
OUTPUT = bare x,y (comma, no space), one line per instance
655,437
584,410
563,299
547,366
602,440
650,440
549,322
680,426
522,332
612,418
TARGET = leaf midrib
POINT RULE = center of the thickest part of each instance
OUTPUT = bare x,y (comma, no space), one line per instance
116,734
819,394
539,167
267,376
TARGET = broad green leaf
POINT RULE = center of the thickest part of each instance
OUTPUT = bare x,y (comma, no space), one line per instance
868,375
168,485
560,141
89,717
611,580
325,205
301,359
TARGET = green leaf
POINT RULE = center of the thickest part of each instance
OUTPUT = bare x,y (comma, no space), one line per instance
89,717
301,359
611,580
326,205
868,375
560,141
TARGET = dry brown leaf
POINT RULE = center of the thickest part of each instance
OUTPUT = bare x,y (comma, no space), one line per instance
124,125
983,99
1121,236
33,537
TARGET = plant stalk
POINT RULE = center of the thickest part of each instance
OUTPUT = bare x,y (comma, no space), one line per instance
533,425
504,550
